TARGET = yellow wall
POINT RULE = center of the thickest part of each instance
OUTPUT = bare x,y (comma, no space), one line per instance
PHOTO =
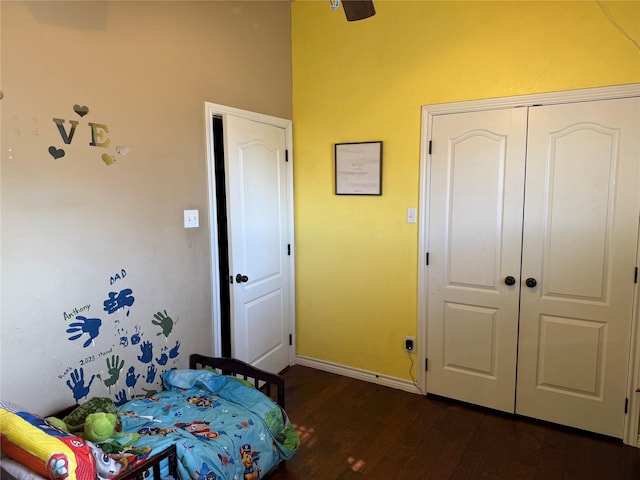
357,258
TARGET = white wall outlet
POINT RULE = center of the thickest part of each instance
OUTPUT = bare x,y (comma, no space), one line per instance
191,219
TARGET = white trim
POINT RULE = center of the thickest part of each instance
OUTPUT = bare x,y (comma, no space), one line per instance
631,436
292,243
632,426
357,373
570,96
212,109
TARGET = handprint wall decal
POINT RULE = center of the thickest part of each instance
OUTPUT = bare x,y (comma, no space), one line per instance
84,325
113,368
77,386
121,343
146,349
165,322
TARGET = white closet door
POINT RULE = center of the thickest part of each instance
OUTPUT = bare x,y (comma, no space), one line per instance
579,244
475,226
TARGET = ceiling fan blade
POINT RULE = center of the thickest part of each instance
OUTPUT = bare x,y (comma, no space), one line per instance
358,9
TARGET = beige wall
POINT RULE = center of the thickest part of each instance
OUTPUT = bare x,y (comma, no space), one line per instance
77,232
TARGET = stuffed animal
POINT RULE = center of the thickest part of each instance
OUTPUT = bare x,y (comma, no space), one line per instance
99,426
96,420
107,467
59,424
76,419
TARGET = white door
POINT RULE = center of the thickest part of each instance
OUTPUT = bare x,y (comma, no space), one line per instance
579,245
258,221
477,180
573,297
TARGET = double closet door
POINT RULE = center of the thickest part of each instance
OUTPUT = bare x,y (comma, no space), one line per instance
533,223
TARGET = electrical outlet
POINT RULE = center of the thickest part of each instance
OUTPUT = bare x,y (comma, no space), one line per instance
409,344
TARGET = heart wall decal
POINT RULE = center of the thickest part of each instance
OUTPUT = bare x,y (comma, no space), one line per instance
81,110
108,159
122,150
56,153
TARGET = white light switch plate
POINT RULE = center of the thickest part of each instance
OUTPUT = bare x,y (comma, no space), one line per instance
411,215
191,219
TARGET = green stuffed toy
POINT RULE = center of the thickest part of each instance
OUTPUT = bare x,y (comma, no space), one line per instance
95,420
76,419
59,424
99,426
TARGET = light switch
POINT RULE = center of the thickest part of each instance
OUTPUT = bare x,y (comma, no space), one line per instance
191,219
411,215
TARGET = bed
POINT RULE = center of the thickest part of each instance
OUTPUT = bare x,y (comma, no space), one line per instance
221,419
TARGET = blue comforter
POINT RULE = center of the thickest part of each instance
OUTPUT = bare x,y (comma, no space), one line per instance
223,429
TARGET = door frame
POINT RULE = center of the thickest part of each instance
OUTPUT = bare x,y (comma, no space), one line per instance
211,110
632,421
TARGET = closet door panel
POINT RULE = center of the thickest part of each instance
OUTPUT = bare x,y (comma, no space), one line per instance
475,227
579,243
578,205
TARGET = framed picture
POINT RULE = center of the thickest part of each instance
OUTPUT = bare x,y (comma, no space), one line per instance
358,168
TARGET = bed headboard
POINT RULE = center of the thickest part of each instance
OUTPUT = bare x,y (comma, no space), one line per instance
261,379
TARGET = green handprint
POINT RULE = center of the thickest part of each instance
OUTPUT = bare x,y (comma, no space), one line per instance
113,367
165,322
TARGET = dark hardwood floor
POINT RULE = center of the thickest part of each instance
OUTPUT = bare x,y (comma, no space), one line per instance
351,429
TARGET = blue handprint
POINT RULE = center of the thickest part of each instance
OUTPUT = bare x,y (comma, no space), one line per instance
85,325
131,378
135,338
120,398
151,373
164,358
78,388
147,352
124,340
118,300
173,353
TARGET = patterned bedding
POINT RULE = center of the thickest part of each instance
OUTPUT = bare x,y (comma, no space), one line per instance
223,428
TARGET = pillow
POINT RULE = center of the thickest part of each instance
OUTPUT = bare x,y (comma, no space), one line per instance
17,470
35,443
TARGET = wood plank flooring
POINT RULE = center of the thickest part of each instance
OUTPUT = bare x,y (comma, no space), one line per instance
356,430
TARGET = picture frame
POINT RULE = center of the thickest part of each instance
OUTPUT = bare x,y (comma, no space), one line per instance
358,168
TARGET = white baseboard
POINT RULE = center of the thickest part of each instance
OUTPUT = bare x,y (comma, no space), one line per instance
357,373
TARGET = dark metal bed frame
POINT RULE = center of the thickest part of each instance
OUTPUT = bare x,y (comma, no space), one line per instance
261,379
152,464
